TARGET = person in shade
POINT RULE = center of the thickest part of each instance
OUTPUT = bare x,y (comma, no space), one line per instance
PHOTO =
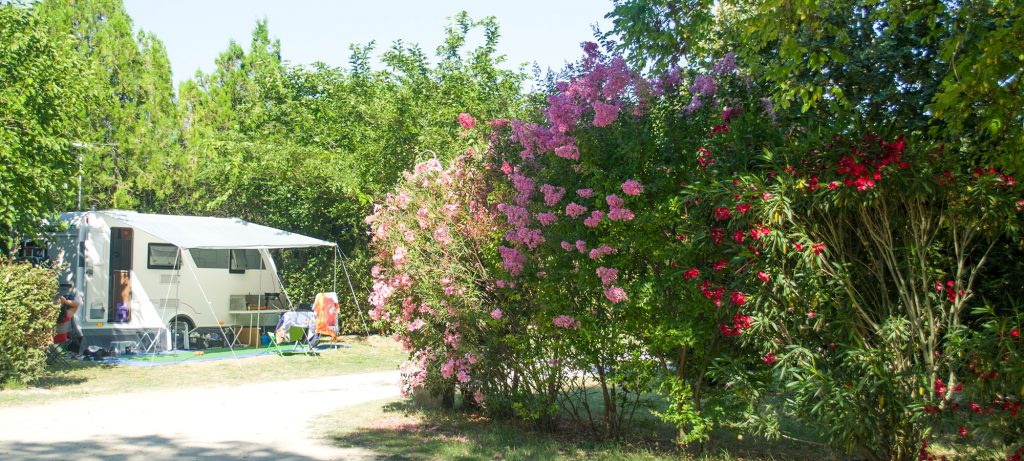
68,308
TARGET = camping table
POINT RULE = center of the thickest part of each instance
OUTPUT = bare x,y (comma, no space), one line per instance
254,318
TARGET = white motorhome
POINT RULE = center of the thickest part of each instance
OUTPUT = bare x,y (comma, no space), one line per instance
148,279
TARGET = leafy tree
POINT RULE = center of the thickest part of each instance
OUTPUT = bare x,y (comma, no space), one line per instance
132,120
41,104
951,69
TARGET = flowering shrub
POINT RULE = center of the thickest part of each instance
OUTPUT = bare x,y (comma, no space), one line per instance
678,235
854,285
431,286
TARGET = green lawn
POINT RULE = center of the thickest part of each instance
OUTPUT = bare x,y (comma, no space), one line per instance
90,378
400,430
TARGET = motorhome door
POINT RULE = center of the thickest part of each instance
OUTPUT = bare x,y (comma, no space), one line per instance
120,306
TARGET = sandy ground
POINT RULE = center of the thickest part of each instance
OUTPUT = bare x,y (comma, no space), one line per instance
269,420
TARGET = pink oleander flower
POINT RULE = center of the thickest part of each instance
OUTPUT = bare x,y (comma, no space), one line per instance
423,218
409,236
585,193
620,214
614,201
523,185
568,151
512,260
547,218
607,275
566,246
566,321
516,215
506,168
573,210
603,250
402,200
415,325
552,194
442,236
594,219
400,256
605,114
496,314
615,294
631,187
448,369
581,246
428,166
531,238
462,376
467,121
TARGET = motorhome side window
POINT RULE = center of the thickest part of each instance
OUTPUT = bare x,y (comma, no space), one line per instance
163,256
235,261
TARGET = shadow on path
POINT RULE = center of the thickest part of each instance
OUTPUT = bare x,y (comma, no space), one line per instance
155,448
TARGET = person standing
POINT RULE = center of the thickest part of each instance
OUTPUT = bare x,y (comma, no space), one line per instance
68,308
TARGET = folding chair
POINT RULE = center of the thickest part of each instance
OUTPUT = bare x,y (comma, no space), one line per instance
297,336
55,356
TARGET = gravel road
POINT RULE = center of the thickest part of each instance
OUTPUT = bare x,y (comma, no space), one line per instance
267,420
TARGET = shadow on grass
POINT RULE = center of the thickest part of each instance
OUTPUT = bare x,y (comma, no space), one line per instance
142,448
58,376
407,431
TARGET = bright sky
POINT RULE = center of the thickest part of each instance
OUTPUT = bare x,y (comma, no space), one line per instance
547,32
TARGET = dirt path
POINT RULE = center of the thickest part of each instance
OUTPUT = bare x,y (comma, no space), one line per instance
269,420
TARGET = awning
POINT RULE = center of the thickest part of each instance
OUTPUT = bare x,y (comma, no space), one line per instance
213,233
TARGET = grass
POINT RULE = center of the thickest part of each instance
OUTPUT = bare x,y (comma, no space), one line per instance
90,378
402,430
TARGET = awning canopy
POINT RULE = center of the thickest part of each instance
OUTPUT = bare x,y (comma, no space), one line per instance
203,232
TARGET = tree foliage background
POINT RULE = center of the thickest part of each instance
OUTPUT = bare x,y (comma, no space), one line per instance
304,148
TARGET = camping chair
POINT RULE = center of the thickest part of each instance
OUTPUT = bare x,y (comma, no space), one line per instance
55,356
298,337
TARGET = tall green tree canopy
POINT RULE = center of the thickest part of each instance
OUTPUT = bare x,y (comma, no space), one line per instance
951,70
41,104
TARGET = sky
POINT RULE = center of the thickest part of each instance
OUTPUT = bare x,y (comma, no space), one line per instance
545,32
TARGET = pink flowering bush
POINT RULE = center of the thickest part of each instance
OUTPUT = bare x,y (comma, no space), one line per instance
431,287
677,237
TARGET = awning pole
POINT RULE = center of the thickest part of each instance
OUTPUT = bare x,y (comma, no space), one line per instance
354,298
210,305
334,289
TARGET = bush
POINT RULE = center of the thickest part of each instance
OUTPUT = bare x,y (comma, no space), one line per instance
27,319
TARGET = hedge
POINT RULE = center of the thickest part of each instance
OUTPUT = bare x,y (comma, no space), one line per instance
27,319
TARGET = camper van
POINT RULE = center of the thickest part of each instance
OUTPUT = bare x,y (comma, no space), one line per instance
149,282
